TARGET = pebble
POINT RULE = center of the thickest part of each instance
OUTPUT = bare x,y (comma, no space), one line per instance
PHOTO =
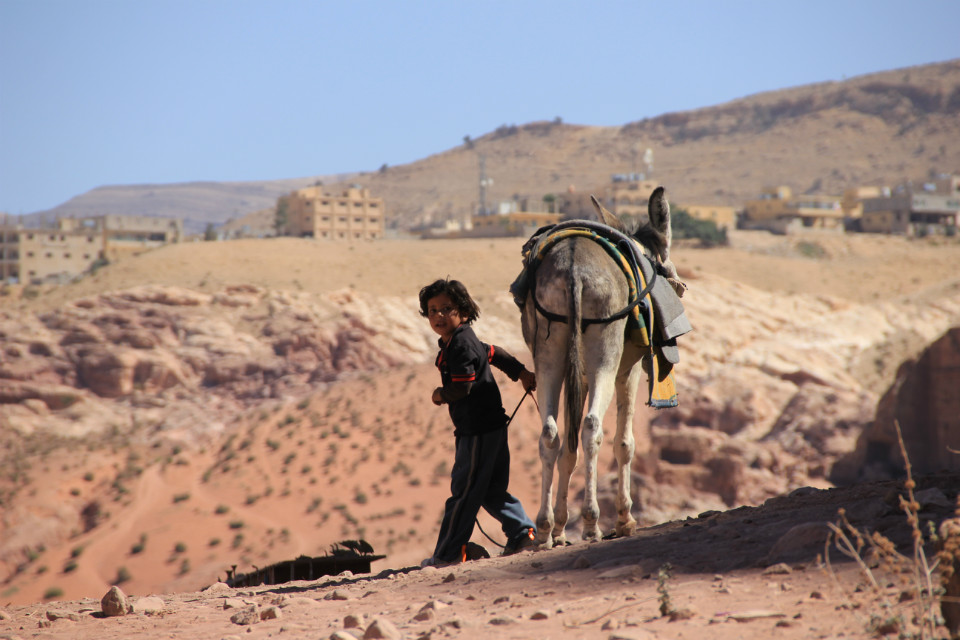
62,614
247,616
152,604
271,613
381,628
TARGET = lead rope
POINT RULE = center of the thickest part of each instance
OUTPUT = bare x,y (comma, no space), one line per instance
509,420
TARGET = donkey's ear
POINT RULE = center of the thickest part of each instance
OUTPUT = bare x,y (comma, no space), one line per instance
659,211
606,217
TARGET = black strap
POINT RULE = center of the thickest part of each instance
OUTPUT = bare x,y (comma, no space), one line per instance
584,322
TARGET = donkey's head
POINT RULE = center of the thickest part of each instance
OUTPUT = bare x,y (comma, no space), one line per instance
655,234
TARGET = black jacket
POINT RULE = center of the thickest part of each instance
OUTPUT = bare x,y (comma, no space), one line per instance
468,384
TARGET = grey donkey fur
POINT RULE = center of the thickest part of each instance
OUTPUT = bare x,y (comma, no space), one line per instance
590,365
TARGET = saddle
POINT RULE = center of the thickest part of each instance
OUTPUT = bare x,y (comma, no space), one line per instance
655,316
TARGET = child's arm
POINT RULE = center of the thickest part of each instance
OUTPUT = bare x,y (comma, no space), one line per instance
515,370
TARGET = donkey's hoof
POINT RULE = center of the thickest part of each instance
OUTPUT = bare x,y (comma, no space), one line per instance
591,534
624,529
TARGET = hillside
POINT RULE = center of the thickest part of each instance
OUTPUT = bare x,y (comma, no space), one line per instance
882,128
280,384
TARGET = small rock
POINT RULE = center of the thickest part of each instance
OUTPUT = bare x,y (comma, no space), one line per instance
449,578
153,604
540,615
230,638
779,569
114,603
232,603
271,613
45,624
381,628
247,616
301,602
218,587
816,595
609,625
62,614
352,621
425,614
337,594
502,621
342,635
5,616
747,616
932,497
581,562
502,599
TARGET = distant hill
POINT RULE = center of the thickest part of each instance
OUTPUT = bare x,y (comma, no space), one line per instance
198,203
881,128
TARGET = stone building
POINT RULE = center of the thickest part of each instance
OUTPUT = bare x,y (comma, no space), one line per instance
778,210
75,245
314,213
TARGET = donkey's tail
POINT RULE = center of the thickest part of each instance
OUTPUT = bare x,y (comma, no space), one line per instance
575,380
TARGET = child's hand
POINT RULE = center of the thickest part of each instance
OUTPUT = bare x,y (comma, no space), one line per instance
529,380
436,397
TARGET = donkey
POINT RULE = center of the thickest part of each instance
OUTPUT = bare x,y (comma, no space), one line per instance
577,277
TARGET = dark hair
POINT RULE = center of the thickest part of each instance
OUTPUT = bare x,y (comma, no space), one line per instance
469,310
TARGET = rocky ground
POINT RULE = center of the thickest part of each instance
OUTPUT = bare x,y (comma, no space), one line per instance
154,436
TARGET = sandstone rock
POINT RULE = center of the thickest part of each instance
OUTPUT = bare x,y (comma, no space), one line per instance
114,603
233,603
779,569
62,614
381,628
218,588
149,605
338,594
247,616
798,542
271,613
352,621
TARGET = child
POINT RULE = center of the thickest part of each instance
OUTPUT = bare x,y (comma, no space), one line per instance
481,466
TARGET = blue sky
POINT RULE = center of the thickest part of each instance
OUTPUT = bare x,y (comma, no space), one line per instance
106,92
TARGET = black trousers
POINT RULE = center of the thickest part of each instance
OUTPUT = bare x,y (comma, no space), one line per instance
480,476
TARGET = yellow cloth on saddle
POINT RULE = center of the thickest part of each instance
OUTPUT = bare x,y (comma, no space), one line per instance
661,385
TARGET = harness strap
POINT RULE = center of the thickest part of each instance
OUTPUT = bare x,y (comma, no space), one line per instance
629,268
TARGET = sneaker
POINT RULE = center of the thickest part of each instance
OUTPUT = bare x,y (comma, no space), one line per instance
435,562
526,540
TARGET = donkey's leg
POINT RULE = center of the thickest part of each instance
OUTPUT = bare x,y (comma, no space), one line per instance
548,396
601,386
628,379
565,466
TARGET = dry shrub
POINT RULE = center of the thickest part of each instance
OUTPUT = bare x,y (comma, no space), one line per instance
909,598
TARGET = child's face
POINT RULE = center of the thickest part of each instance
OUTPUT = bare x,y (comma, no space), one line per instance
444,316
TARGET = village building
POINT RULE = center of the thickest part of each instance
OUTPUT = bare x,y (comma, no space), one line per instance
724,217
314,213
779,211
75,245
931,209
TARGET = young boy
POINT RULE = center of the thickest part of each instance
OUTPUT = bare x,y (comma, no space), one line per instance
481,467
